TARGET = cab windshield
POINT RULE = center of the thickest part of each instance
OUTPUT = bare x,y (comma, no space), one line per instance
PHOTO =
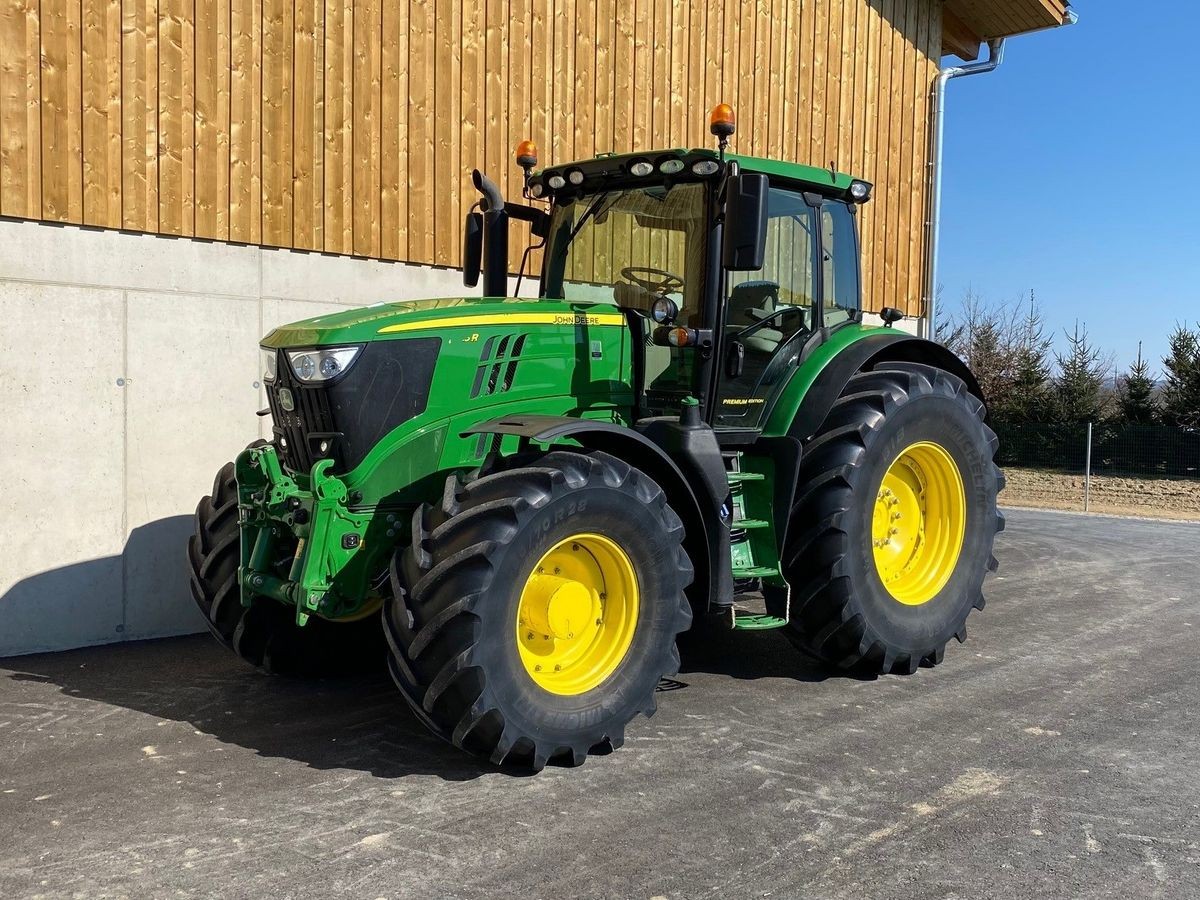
629,246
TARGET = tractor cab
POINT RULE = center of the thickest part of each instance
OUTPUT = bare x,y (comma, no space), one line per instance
730,268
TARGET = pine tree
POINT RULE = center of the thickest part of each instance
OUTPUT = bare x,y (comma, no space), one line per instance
1079,387
1028,398
1136,403
1181,393
987,359
982,342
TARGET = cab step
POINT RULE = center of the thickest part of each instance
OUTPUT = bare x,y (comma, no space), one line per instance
743,477
750,523
749,621
740,572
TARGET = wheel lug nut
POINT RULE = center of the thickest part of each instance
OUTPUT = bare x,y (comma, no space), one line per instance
537,668
558,668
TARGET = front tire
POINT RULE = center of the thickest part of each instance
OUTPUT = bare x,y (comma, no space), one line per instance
537,608
894,524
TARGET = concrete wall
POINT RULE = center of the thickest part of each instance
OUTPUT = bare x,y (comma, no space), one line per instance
128,376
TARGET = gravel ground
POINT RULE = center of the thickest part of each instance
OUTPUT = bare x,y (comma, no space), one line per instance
1160,498
1054,755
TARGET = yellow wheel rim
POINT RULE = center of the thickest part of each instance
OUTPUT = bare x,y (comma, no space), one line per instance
919,521
577,614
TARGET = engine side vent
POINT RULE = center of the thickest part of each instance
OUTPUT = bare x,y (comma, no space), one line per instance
497,364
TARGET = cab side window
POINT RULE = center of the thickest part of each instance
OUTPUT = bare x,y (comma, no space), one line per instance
788,274
769,311
841,295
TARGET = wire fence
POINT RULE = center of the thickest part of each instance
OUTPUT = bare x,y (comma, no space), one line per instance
1137,450
1149,469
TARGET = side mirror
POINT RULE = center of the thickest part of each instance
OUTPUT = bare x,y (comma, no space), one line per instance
472,248
745,232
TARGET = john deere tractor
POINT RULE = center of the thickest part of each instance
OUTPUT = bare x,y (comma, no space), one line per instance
522,503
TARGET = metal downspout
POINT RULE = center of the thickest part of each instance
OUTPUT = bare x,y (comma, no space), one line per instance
934,221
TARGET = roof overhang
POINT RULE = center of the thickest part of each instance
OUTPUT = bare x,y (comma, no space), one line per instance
967,24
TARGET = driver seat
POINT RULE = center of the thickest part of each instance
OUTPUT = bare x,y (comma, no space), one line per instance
750,302
632,296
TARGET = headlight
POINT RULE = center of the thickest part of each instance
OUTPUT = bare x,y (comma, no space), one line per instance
313,366
640,168
706,167
860,191
556,182
670,166
664,311
268,357
575,176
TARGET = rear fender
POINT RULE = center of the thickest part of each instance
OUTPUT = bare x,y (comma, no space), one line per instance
783,440
870,352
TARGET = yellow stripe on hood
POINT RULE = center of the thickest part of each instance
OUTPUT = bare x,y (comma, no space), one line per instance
515,318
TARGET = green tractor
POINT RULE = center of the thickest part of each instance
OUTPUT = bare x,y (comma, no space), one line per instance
522,503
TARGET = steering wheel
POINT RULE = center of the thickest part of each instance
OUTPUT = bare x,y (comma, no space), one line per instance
667,283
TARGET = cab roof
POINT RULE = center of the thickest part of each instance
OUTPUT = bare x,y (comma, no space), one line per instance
610,168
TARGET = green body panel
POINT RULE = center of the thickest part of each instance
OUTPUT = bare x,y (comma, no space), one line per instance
575,362
825,178
791,393
419,318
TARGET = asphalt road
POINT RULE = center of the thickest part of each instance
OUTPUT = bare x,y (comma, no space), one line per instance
1053,755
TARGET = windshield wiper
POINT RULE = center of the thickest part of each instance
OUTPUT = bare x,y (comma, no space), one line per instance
560,250
593,208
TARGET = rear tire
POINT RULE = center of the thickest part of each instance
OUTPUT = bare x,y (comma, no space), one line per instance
266,634
459,591
842,612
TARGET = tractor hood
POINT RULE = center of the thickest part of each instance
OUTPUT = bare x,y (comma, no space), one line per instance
385,321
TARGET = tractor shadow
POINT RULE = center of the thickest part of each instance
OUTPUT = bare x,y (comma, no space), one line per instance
752,655
354,723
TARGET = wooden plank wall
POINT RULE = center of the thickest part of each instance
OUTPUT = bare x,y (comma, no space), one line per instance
351,126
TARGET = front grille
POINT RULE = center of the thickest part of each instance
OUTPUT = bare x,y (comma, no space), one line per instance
387,384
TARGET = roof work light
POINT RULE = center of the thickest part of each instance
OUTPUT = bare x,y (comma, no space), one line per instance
722,123
526,155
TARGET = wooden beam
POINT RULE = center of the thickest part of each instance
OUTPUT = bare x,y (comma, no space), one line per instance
990,19
958,39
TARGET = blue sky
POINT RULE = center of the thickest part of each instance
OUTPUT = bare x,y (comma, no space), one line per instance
1074,170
